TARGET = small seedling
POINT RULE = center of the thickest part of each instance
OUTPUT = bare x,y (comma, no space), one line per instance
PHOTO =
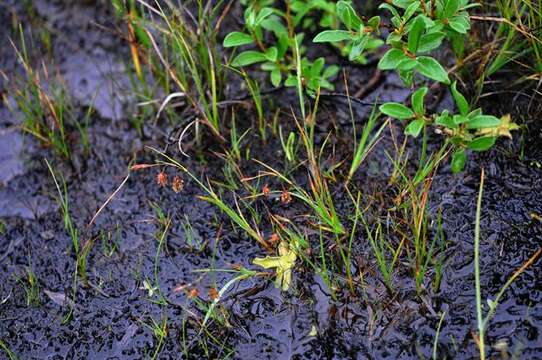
289,146
63,202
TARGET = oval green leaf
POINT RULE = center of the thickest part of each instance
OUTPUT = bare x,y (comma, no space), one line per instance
431,68
396,110
237,38
483,122
391,59
482,143
332,36
417,99
458,161
248,58
414,128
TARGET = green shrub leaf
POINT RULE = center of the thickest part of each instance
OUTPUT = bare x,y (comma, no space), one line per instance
271,54
430,41
332,36
460,100
483,121
414,128
407,64
431,68
444,119
276,77
391,59
460,119
348,15
417,100
237,38
415,34
396,110
450,8
264,13
458,161
482,143
248,58
460,24
357,48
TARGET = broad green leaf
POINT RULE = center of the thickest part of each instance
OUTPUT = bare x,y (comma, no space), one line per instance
348,15
407,64
450,8
483,121
248,58
283,45
332,36
374,23
429,24
290,81
391,59
417,99
460,100
460,119
407,77
357,48
431,68
430,41
276,77
444,119
264,13
330,71
503,129
459,24
250,17
396,110
414,128
458,161
415,34
284,263
273,23
475,112
390,8
269,66
411,10
394,40
271,54
482,143
317,67
237,39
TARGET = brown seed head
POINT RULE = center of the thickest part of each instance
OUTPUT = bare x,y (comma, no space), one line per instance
273,239
266,190
213,294
194,293
178,184
161,178
285,197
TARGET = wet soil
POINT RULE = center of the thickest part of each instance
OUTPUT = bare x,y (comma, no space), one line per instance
109,316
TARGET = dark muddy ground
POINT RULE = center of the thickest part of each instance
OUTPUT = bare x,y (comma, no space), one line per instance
111,315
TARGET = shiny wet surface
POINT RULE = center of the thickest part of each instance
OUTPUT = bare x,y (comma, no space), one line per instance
110,316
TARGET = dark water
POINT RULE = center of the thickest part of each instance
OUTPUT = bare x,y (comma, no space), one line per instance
110,316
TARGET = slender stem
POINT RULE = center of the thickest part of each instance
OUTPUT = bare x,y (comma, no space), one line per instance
479,314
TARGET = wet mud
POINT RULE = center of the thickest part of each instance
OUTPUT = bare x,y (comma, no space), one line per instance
134,279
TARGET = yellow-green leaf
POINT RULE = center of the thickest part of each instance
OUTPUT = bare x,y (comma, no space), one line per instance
503,129
283,264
